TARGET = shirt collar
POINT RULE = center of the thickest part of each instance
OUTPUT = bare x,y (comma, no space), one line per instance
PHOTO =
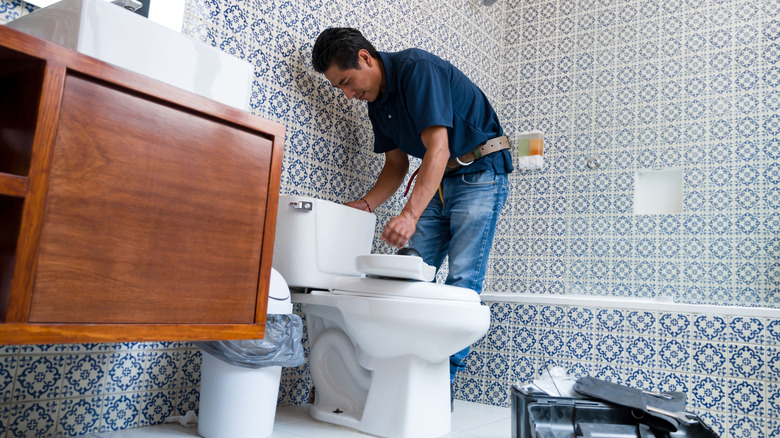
389,79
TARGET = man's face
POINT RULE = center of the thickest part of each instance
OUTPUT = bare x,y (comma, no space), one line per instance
363,83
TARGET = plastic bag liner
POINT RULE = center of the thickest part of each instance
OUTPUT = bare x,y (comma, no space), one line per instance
280,347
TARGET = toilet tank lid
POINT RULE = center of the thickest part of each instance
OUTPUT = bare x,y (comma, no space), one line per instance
390,289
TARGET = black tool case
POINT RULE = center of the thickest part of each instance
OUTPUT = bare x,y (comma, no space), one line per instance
538,415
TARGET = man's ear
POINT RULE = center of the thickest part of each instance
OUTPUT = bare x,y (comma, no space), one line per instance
366,57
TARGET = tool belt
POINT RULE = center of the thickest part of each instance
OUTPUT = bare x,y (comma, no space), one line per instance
487,148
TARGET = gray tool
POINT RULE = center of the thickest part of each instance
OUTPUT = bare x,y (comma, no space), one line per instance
683,416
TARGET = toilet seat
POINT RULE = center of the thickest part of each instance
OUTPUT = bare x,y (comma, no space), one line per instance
400,289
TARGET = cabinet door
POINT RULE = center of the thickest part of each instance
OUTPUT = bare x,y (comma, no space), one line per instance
154,213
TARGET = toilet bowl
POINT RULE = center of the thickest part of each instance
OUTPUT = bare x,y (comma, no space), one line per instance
380,347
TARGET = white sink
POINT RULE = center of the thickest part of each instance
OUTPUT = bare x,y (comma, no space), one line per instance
114,35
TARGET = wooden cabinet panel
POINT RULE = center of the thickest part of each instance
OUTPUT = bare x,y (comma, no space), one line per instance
153,214
133,211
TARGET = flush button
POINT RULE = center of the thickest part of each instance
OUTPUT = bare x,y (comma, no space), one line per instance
389,116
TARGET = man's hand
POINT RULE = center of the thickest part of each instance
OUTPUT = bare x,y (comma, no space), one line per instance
399,229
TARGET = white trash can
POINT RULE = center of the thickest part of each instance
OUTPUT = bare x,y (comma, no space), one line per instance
239,402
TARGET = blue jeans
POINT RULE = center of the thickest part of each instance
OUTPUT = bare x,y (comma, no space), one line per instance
462,227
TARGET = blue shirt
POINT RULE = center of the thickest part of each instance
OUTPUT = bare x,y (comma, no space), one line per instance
423,90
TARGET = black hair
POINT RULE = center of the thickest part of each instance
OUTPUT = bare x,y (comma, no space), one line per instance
340,45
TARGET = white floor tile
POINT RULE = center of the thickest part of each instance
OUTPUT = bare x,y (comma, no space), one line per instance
496,429
469,420
470,415
159,431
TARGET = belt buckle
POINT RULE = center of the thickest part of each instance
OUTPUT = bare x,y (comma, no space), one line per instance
462,163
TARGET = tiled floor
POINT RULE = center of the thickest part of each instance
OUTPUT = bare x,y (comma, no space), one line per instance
469,420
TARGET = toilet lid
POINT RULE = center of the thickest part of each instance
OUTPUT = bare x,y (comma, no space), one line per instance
394,289
395,266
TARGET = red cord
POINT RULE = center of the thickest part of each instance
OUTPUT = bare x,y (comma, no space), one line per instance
410,181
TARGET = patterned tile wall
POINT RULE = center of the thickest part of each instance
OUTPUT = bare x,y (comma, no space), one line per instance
75,389
639,84
729,366
644,84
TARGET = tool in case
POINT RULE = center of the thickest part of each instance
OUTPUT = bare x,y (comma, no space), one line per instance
536,414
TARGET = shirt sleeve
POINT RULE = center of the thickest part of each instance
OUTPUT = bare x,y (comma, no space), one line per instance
428,95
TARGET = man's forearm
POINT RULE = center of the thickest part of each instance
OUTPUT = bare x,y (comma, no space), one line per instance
390,178
432,169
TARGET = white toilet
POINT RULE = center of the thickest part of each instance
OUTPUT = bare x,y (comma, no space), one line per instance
380,347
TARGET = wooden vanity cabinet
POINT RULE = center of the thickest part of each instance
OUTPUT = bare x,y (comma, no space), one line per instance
130,210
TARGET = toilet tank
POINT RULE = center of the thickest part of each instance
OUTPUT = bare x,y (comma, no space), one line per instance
317,241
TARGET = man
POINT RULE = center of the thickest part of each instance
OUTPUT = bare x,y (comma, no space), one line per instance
423,106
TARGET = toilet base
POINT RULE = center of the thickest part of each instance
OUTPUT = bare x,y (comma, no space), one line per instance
408,398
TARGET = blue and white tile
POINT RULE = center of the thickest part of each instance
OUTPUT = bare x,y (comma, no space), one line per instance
497,393
609,348
674,355
710,393
301,389
674,381
4,420
772,364
498,338
469,389
7,377
748,361
14,9
79,416
772,429
156,406
524,368
744,426
746,396
526,314
579,345
640,378
38,377
772,399
709,327
675,325
33,419
610,320
710,358
125,370
642,351
550,342
187,399
746,329
121,411
524,339
610,373
84,375
475,362
189,366
717,421
497,365
162,370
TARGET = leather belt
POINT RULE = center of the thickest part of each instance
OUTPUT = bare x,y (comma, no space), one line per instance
487,148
